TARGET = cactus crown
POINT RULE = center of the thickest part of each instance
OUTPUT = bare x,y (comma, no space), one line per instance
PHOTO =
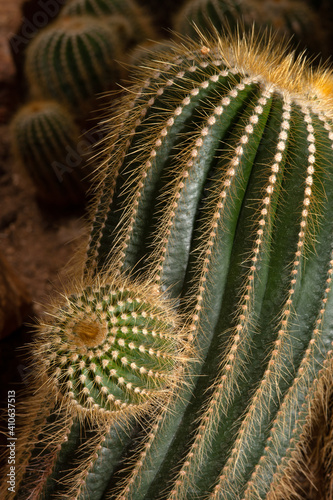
218,189
218,64
42,134
111,348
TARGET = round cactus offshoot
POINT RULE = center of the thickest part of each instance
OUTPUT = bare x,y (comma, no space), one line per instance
112,348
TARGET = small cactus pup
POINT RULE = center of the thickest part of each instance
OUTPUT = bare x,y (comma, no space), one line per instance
206,14
287,18
112,351
111,348
138,19
74,59
47,144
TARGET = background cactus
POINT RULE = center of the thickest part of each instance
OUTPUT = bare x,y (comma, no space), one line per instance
140,24
48,146
74,59
148,51
216,191
115,346
288,18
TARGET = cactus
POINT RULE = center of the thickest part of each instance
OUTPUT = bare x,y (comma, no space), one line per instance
216,194
208,13
288,19
74,59
111,349
49,149
141,27
115,351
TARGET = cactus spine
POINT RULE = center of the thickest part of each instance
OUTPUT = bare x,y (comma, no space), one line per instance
74,59
47,143
219,192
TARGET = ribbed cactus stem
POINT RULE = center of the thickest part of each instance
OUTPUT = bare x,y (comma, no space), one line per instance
140,27
46,141
243,147
74,59
216,193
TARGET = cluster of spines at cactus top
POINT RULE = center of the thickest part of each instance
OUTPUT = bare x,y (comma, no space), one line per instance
217,184
294,19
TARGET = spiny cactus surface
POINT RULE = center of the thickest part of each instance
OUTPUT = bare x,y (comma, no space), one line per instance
224,203
216,191
46,140
111,348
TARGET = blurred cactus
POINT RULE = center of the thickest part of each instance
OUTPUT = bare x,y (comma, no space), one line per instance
111,348
215,202
206,14
74,59
47,143
140,25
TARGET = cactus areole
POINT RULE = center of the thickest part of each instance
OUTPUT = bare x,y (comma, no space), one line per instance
215,193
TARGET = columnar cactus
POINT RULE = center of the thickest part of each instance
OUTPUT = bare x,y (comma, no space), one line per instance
48,146
141,27
74,59
216,193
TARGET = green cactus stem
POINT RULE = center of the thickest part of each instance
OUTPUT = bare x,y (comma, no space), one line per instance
145,52
216,190
49,149
140,25
74,59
